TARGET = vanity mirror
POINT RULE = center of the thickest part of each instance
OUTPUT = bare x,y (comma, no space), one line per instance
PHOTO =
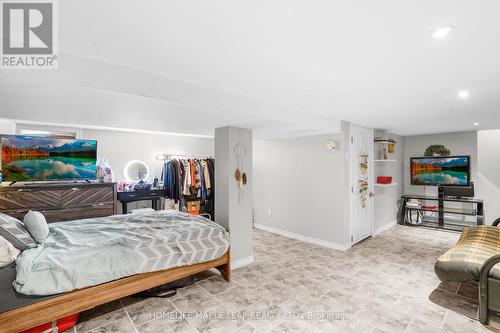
136,171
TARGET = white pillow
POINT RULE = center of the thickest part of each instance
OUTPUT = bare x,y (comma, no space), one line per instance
37,226
8,253
142,210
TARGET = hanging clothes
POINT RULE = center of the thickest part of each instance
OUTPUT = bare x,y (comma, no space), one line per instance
187,178
190,180
197,183
168,179
193,174
180,181
211,174
202,191
206,175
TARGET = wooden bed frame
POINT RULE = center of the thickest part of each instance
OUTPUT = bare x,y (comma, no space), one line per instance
83,299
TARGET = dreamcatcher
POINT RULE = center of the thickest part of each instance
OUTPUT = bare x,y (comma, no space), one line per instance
240,151
363,182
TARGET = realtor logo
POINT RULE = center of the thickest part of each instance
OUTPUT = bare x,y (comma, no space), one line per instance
28,35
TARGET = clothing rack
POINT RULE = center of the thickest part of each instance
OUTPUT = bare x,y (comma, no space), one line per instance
166,157
189,179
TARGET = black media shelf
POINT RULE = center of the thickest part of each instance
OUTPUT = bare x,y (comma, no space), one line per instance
441,222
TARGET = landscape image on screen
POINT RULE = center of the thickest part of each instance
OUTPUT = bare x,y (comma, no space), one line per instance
452,171
29,158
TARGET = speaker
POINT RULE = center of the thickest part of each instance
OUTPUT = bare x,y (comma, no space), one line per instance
459,191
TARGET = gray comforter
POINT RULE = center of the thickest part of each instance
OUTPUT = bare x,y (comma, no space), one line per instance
84,253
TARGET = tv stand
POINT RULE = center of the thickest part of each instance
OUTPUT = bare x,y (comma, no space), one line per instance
441,198
439,220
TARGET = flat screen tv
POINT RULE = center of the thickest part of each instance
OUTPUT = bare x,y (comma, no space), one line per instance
35,158
440,171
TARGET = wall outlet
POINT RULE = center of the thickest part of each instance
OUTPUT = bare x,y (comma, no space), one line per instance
270,212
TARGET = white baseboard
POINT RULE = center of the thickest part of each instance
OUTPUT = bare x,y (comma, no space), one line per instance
315,241
242,262
385,227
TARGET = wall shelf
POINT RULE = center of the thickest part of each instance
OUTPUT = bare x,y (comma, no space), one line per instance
384,160
384,142
385,185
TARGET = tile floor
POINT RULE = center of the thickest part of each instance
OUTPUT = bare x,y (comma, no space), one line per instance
384,284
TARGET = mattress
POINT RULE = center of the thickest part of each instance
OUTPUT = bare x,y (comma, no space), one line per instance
10,299
83,253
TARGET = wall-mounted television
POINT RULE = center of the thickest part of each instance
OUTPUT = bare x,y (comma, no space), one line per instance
441,171
36,158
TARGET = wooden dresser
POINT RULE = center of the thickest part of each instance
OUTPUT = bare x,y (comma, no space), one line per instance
59,202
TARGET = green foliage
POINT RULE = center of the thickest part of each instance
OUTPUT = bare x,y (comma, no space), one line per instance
439,150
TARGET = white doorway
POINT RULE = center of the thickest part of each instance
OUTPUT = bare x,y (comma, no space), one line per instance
362,183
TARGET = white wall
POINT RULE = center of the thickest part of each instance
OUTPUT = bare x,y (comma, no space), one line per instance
386,198
488,173
230,212
121,147
300,187
7,127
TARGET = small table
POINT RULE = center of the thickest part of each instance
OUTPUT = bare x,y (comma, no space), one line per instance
130,196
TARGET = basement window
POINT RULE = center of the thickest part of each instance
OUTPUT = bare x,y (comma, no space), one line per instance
48,131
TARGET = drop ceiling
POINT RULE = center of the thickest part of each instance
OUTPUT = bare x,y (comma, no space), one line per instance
283,68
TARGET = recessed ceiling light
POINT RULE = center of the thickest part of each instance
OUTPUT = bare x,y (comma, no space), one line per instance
463,94
476,124
443,31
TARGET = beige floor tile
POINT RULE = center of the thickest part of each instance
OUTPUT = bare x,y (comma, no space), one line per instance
100,315
142,310
246,329
456,303
121,325
199,301
275,292
184,291
237,298
456,323
217,320
215,285
166,326
295,326
263,315
385,284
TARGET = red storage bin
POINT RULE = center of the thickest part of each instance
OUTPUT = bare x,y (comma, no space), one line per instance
57,326
384,180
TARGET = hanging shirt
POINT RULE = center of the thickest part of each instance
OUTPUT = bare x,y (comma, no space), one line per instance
202,191
168,178
211,174
187,178
206,174
193,174
197,175
179,183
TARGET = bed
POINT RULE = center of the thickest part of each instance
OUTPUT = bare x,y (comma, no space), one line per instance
85,263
